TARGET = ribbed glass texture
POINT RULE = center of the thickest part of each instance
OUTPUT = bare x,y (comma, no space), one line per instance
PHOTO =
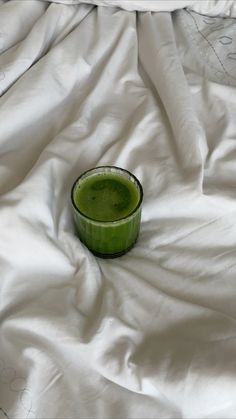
108,239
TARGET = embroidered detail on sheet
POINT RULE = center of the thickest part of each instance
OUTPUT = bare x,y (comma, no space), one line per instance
214,41
13,392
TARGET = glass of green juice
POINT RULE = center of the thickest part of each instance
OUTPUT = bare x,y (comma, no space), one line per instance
106,202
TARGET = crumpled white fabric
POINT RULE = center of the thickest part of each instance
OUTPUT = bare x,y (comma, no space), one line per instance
150,334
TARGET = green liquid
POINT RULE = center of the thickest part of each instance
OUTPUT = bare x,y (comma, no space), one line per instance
107,211
106,197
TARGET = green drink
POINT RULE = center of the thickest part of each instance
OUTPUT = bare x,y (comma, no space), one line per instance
107,210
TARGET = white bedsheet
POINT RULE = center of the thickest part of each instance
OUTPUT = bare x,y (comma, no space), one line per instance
150,334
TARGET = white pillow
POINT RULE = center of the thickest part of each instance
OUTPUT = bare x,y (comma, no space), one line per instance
141,5
208,7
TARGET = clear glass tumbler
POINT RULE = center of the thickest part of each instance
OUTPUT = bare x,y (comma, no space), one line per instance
106,204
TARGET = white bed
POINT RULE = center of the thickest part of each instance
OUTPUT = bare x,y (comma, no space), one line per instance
148,86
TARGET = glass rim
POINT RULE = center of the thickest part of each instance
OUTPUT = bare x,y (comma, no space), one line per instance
107,167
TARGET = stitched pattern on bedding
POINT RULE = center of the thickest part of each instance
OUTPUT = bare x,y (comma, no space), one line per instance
221,38
214,41
13,391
